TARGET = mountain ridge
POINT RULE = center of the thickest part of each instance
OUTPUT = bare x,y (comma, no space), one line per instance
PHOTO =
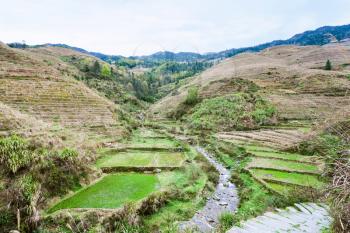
319,36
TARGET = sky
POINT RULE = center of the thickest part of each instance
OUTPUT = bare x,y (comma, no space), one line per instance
142,27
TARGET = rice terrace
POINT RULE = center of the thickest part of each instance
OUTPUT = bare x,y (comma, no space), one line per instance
164,117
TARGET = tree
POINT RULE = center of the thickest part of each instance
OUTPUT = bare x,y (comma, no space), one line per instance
328,65
106,71
96,68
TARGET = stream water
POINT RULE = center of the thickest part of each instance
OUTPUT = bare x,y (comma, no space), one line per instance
224,199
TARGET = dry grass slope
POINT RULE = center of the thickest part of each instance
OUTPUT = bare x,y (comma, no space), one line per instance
36,84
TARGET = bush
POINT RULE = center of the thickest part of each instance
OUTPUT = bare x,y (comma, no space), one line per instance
325,145
192,96
15,153
7,219
68,153
65,171
28,187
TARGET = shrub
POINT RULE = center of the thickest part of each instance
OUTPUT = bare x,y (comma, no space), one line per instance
28,187
7,218
154,202
324,145
68,153
192,96
15,153
65,171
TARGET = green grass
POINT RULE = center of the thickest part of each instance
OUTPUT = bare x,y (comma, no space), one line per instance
281,189
111,192
139,142
226,221
134,158
292,166
146,133
289,178
280,155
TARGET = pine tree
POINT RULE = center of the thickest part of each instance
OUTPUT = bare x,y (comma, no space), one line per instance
328,65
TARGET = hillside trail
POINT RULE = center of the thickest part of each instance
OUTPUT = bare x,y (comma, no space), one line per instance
224,199
301,218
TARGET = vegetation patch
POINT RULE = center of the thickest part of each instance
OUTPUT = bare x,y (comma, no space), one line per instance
237,111
31,173
111,192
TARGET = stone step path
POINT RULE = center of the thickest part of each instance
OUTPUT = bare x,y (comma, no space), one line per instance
225,199
305,218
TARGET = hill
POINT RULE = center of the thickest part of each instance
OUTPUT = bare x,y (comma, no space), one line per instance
291,77
36,83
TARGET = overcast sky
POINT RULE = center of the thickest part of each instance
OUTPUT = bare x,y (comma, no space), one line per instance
139,27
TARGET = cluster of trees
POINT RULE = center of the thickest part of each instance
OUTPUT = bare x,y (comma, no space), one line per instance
147,85
18,45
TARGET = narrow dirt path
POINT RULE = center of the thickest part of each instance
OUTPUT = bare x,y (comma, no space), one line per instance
301,218
225,199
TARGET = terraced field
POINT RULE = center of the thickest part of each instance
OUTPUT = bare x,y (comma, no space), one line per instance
152,143
272,138
279,171
148,151
112,191
283,165
45,94
284,177
139,158
284,172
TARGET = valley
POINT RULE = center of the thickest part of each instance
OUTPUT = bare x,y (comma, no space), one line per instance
254,141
